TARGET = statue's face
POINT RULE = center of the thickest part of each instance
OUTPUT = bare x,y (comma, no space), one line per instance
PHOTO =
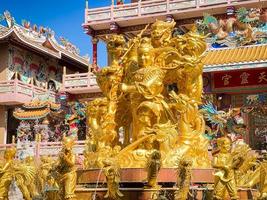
8,155
157,32
145,58
226,147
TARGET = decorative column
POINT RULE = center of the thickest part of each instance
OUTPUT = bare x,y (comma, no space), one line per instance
94,42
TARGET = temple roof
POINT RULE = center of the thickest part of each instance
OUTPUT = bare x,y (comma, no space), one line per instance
234,56
42,40
36,109
37,104
31,114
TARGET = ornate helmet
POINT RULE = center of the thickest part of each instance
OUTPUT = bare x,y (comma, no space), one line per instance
166,25
68,142
145,45
11,152
221,141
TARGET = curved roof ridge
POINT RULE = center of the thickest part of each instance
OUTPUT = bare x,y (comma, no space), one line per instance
20,33
239,47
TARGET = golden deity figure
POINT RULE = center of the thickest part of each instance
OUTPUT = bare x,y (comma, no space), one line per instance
138,104
6,177
65,170
34,186
44,170
109,80
225,165
13,170
145,92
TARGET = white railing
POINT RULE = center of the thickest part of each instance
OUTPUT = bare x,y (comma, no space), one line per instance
79,80
38,149
18,87
152,7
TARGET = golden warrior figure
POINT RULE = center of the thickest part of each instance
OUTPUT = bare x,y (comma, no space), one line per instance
138,104
16,171
225,165
66,170
6,173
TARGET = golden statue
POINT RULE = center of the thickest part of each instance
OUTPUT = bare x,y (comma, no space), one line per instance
153,167
65,170
16,171
255,175
34,186
225,165
44,170
183,178
138,109
112,173
263,178
161,33
145,92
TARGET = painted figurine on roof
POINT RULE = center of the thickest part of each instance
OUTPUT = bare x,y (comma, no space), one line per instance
248,26
75,118
224,123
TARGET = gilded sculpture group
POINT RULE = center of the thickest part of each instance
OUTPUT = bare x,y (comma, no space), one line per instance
50,179
139,108
143,121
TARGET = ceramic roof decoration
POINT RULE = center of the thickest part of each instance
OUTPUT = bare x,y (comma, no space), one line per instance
247,27
36,109
41,39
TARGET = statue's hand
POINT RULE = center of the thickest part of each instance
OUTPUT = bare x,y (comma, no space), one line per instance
123,87
227,169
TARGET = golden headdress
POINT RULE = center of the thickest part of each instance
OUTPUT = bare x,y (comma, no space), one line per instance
166,25
145,45
11,151
68,142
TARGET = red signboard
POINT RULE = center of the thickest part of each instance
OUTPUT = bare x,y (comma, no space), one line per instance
251,78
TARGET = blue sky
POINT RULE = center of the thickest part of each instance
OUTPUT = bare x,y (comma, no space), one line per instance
64,17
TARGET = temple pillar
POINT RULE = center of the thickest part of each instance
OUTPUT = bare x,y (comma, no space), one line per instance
3,124
94,42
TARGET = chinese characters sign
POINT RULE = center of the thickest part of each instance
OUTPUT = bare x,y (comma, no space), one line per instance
256,78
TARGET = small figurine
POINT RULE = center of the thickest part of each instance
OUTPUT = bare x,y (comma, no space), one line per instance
44,169
66,170
183,178
112,173
33,185
225,165
153,167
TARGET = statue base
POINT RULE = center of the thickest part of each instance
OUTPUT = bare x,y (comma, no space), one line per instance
92,185
149,194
